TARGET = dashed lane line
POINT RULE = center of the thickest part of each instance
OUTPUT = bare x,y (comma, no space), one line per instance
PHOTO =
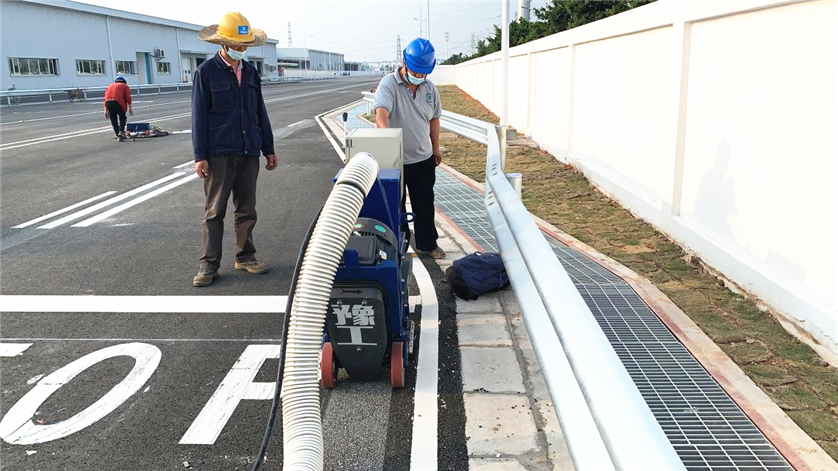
108,202
62,211
135,201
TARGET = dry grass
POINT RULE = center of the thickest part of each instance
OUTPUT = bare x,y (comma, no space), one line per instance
788,370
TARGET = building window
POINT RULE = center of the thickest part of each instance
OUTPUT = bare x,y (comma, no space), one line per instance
164,68
271,68
126,67
24,66
90,67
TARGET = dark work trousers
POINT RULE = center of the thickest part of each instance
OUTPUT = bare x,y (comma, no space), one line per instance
237,174
115,111
419,178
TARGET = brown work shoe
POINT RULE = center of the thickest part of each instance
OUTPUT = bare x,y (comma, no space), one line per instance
204,277
437,253
252,266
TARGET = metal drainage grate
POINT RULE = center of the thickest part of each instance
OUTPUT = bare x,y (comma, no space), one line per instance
705,426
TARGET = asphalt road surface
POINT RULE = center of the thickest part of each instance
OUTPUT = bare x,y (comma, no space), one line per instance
151,373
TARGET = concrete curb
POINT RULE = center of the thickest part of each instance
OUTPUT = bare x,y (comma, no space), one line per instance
802,452
510,420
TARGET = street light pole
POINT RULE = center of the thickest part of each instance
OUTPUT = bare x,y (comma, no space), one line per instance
429,19
420,17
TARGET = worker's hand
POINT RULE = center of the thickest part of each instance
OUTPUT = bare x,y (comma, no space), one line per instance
107,115
202,169
131,111
438,157
272,161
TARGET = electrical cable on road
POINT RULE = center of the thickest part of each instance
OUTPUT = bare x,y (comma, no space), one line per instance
263,448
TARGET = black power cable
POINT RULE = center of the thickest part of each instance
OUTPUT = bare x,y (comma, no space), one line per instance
281,370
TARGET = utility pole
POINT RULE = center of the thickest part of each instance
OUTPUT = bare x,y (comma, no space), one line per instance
429,20
398,50
289,34
472,46
446,45
524,9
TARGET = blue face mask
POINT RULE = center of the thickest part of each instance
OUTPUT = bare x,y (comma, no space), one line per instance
236,55
413,80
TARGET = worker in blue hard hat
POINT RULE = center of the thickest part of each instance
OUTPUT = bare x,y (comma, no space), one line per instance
406,99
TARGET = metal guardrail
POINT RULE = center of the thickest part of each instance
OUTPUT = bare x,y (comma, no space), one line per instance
606,422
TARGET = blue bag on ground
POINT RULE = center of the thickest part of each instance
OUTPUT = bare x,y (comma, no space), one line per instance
477,274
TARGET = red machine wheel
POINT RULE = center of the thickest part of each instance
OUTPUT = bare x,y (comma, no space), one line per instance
328,367
397,365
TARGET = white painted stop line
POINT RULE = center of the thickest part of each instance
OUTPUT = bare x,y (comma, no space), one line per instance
147,304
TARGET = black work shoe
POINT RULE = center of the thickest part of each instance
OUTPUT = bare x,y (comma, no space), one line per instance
204,277
252,266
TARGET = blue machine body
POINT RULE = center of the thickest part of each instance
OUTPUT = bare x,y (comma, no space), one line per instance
381,212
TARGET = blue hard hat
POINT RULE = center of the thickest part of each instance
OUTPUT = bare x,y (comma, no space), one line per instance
419,56
120,78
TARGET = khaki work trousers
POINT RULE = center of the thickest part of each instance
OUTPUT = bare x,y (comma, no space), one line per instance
230,174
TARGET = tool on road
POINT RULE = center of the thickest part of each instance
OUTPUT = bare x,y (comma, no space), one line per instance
143,130
348,305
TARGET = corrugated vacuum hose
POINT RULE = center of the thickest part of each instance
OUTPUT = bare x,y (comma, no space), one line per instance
301,416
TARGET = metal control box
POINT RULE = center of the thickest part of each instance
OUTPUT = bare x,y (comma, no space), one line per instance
385,145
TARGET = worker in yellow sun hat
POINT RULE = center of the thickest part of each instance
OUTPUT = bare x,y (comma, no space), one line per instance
230,129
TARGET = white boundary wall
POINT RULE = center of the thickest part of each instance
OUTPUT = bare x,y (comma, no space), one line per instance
713,120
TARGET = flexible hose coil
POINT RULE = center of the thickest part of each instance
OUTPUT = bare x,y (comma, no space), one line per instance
301,416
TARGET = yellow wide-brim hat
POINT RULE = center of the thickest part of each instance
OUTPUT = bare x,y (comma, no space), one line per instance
233,30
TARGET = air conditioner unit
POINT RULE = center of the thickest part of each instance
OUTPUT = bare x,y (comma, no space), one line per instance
159,53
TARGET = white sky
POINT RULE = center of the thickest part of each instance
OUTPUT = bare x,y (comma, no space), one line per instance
361,30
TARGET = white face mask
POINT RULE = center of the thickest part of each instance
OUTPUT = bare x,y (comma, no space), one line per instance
236,55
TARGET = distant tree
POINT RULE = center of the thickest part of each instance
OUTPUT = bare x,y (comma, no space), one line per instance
455,59
555,17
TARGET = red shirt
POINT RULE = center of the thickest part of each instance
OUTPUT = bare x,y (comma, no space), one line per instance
119,92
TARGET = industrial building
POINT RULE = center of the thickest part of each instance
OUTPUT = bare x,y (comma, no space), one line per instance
299,61
63,44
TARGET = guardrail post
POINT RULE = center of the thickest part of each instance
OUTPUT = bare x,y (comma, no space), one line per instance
516,180
50,97
501,130
159,89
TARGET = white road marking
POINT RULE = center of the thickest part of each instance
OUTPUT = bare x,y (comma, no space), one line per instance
134,202
17,426
423,454
413,302
43,140
238,385
54,339
62,211
34,379
90,112
13,349
319,119
108,202
185,164
86,132
147,304
297,123
185,131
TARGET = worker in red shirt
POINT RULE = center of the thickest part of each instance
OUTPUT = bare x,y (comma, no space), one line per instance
117,100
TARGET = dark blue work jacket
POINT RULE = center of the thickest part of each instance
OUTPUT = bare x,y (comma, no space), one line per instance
228,118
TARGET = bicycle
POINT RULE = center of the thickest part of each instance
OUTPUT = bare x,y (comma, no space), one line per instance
12,100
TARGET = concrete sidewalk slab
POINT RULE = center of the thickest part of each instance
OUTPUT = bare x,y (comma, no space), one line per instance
483,330
499,425
491,369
